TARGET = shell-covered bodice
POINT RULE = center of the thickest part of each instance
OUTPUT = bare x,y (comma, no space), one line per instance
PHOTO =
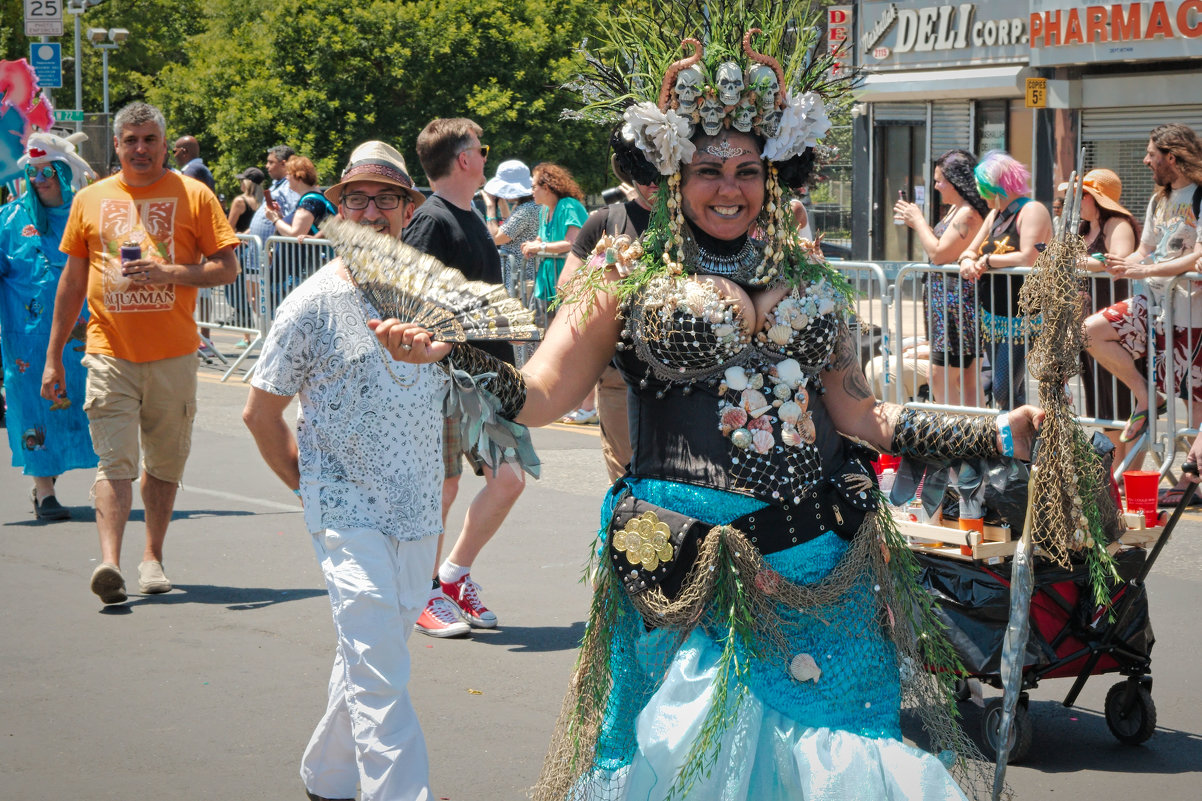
727,394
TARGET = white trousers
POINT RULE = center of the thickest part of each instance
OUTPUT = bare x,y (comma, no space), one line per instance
369,735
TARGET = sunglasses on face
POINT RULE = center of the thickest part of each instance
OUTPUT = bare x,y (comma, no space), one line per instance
39,174
358,201
483,151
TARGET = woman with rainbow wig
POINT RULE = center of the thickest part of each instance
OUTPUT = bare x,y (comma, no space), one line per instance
1010,237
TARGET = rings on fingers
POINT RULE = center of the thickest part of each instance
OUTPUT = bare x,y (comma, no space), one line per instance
406,347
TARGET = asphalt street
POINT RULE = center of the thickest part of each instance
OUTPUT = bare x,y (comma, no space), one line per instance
211,691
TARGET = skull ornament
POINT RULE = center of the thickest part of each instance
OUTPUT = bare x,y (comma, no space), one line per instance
712,111
689,83
770,122
764,81
741,117
730,82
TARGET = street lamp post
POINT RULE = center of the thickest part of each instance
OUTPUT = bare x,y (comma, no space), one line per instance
114,37
76,8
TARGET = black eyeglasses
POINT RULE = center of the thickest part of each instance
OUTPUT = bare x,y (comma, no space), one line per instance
483,151
358,201
39,173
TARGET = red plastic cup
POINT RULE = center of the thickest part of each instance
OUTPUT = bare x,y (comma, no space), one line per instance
1141,487
888,462
1151,517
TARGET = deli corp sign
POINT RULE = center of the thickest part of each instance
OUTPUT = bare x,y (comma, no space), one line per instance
1078,33
901,35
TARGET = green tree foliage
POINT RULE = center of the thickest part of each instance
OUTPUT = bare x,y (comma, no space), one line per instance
324,75
158,32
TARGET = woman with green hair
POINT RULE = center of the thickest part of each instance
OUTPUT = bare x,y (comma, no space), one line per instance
47,438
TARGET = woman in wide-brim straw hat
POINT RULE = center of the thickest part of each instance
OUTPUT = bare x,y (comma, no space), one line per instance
752,612
1107,227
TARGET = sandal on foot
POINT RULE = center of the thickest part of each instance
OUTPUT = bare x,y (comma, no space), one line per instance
1137,423
1171,496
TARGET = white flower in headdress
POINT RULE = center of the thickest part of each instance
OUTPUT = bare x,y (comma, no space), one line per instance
662,135
803,123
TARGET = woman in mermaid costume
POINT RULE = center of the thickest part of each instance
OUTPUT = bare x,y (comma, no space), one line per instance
756,624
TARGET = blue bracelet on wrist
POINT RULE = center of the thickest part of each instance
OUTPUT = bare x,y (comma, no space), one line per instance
1003,423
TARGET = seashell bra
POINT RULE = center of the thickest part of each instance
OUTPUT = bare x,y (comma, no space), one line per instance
694,332
693,328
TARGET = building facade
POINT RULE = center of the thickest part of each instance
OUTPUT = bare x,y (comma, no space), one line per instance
956,75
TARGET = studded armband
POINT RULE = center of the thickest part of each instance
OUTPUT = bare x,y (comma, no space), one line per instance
501,379
937,437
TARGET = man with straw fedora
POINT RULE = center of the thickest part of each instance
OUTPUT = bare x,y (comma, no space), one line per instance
365,462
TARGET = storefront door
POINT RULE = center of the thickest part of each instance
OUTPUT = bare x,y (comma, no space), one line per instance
901,148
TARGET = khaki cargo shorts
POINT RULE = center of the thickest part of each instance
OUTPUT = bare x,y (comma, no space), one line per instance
154,400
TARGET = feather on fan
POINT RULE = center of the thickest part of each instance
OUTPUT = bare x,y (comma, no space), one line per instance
402,282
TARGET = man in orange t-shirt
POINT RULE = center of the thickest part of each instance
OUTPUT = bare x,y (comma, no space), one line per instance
139,244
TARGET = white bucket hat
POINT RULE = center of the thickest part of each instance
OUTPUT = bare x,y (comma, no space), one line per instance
512,181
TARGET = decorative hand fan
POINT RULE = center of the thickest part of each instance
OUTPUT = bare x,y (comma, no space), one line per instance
412,286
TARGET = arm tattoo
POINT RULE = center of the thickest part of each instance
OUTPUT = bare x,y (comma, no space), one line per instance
855,384
846,359
845,349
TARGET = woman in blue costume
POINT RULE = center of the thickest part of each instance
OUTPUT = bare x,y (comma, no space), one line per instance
46,438
756,624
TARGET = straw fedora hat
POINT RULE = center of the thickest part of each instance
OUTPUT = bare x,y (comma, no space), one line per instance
380,162
1106,188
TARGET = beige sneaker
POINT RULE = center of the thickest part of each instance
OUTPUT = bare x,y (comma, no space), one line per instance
151,579
108,584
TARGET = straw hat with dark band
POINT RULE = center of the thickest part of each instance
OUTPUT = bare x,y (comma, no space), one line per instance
1105,187
376,161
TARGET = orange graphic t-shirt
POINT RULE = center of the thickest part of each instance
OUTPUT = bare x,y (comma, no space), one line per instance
175,220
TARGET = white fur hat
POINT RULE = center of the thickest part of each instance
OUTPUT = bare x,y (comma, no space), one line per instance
42,147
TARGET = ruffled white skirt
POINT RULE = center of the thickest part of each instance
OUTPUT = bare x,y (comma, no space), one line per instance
763,755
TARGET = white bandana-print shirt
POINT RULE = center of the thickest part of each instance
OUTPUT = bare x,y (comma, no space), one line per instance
369,431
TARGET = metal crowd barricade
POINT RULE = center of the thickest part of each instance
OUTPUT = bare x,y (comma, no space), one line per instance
285,263
1182,334
1100,399
517,272
998,370
227,307
870,326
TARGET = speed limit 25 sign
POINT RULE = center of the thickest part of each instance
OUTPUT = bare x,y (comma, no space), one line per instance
43,17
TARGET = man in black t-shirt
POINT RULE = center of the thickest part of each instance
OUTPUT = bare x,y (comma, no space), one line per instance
448,228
